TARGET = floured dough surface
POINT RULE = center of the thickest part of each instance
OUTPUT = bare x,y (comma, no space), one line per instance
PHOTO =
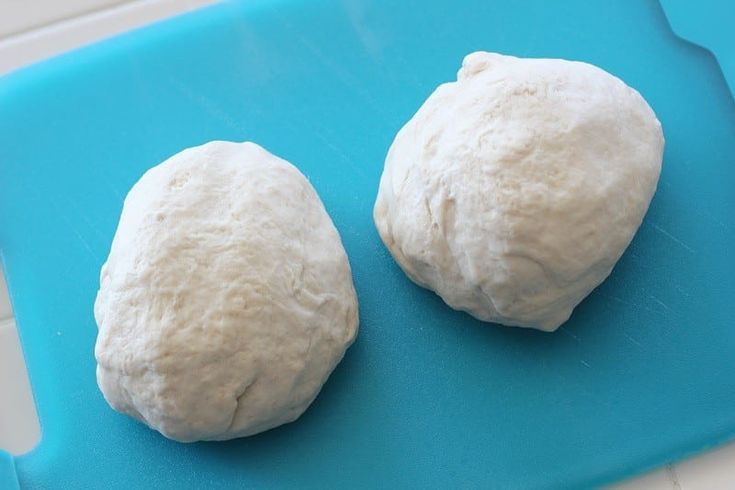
513,191
227,297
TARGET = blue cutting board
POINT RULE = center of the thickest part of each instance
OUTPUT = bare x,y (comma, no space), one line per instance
643,373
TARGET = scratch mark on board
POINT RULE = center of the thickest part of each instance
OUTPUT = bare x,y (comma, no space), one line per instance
84,242
632,340
660,303
630,303
570,334
672,238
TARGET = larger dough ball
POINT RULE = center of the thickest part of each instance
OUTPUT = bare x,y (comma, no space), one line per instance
227,298
514,191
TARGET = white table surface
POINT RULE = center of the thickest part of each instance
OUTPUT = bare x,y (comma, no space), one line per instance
33,30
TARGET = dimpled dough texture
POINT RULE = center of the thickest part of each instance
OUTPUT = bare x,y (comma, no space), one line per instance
514,191
227,298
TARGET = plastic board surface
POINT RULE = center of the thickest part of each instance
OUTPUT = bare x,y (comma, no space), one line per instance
641,375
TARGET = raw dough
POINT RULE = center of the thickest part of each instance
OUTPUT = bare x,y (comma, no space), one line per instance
514,191
227,298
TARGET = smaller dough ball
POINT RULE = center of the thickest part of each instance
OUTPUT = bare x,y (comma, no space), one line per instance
513,191
227,298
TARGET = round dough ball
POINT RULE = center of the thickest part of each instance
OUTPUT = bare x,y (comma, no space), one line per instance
227,298
514,191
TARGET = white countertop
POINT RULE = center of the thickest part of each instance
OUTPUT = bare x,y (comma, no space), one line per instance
32,30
